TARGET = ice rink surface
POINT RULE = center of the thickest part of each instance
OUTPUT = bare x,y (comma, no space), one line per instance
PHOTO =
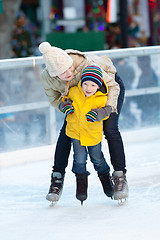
26,215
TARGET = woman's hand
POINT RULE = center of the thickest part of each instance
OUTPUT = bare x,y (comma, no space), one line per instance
102,112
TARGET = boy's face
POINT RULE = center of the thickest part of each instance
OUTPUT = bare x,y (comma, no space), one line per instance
89,88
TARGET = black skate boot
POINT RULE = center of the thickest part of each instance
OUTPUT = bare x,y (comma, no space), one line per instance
120,185
82,185
106,184
56,187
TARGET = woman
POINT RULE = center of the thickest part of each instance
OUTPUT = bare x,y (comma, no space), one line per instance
63,70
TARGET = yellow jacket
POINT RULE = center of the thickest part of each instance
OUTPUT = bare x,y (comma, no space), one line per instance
89,133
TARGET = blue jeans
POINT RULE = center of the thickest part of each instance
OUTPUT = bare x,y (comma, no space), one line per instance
80,158
111,133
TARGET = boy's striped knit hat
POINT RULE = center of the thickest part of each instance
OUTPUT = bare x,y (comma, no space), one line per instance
92,73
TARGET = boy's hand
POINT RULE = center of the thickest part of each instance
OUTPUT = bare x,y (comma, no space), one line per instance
66,107
102,112
91,116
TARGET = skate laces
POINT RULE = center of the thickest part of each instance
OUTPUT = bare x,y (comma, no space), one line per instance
56,185
55,190
119,183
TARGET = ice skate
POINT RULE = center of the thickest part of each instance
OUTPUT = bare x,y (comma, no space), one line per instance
56,187
120,186
82,185
106,184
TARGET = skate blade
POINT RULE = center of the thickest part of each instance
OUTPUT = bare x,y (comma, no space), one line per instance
52,204
121,201
81,203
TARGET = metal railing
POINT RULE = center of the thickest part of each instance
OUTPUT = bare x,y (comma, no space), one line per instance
38,61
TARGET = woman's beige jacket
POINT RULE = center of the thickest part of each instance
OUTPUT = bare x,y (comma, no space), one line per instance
56,88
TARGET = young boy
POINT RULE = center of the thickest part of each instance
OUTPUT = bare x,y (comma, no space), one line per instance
82,106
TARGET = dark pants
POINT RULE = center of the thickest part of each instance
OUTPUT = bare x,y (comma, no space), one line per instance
112,135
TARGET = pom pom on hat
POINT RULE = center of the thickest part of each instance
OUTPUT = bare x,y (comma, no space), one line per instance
44,47
92,73
57,60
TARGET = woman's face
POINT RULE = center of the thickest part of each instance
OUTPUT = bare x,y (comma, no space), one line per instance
67,75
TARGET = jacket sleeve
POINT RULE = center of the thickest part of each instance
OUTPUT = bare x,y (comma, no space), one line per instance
53,95
109,72
113,91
